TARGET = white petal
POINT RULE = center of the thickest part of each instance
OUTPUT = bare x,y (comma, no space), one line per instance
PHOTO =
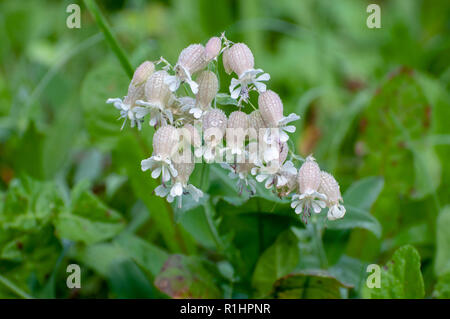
263,77
156,172
235,93
289,128
261,177
165,174
194,86
140,112
261,87
161,191
287,119
176,190
283,137
147,163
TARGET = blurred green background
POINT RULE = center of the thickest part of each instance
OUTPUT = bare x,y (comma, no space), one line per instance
373,102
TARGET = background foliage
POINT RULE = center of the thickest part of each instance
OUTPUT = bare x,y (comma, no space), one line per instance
375,110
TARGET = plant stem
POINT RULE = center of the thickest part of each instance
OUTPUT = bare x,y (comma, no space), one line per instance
19,292
317,238
109,37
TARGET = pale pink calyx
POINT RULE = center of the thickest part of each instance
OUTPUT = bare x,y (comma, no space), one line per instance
208,86
271,108
212,48
239,58
309,198
191,60
135,92
330,188
157,100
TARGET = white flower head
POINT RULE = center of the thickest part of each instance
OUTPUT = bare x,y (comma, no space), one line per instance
127,105
180,185
330,187
191,60
208,86
275,171
157,100
239,58
212,48
271,108
165,145
309,198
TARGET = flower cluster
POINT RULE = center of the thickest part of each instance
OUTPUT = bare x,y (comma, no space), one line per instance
180,102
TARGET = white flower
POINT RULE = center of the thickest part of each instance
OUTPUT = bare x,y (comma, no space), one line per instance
240,86
177,190
159,166
191,60
304,202
330,187
135,92
180,185
273,175
287,128
309,199
157,100
126,112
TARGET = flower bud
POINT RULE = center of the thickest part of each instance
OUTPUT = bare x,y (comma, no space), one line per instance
309,176
226,59
165,141
156,91
212,48
184,171
271,108
240,58
256,121
215,118
208,86
330,187
142,73
192,58
238,119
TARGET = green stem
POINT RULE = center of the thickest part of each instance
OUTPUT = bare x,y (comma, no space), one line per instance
109,37
19,292
317,238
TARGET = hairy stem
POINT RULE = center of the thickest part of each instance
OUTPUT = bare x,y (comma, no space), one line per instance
109,37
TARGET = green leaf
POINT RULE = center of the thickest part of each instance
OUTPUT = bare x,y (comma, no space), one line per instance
277,261
358,200
29,204
356,218
88,220
313,284
145,254
442,261
186,277
402,279
363,193
126,280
